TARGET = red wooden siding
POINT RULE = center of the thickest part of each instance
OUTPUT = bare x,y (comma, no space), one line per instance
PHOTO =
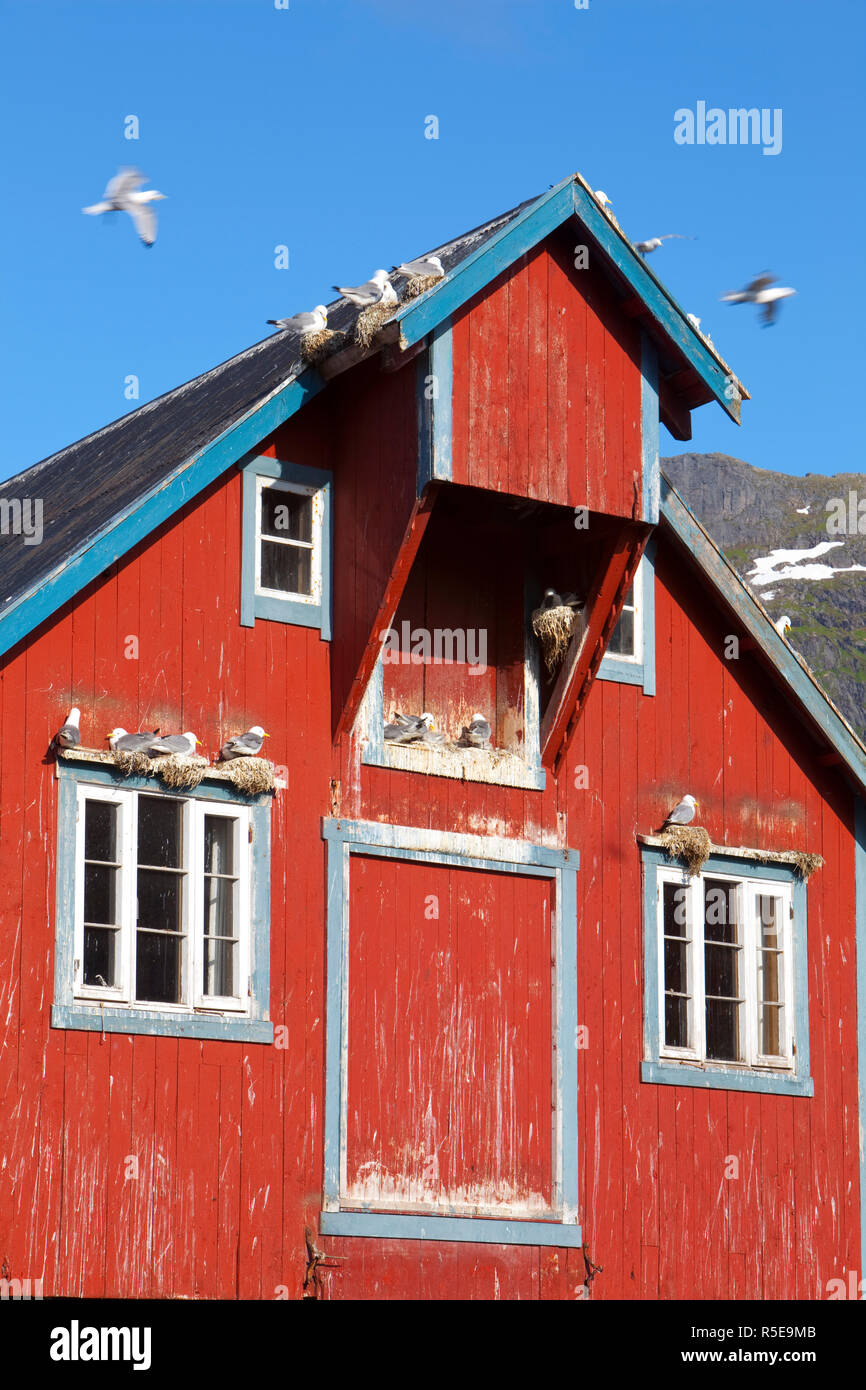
547,387
450,1045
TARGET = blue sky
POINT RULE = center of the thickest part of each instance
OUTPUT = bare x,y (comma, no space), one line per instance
305,127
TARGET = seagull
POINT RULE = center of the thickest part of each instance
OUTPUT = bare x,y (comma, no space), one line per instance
379,290
782,624
601,197
477,735
122,742
654,242
427,266
304,323
683,813
761,291
244,745
70,735
410,728
175,743
123,193
551,599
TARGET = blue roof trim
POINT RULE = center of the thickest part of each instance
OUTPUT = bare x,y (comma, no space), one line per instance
157,506
757,623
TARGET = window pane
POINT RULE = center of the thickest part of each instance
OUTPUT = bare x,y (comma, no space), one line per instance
769,977
720,911
676,966
770,921
723,1032
219,907
160,899
100,893
159,831
287,568
99,943
675,899
771,1030
219,845
219,972
287,514
622,641
100,830
721,973
676,1021
157,967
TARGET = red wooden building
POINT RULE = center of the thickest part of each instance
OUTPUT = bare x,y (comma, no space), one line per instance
452,1011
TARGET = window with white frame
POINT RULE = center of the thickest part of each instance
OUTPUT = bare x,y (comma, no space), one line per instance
162,901
289,540
626,640
725,969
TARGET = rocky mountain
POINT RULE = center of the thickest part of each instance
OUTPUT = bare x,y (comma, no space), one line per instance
800,545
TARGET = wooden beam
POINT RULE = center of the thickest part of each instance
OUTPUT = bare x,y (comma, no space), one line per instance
584,657
394,357
674,413
412,538
353,354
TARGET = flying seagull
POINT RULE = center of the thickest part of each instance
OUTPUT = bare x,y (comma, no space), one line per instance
375,291
122,742
782,624
654,242
304,323
244,745
427,265
124,194
683,813
175,743
477,735
70,735
762,290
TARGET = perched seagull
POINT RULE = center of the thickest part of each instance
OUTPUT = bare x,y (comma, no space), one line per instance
379,290
175,743
477,735
601,197
683,813
410,728
427,265
304,323
654,242
122,742
124,194
244,745
782,625
764,291
551,599
572,601
70,735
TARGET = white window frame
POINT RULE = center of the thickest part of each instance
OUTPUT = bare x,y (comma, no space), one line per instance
748,890
635,658
314,598
193,811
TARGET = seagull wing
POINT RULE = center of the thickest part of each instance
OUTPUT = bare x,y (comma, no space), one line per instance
123,183
144,218
769,312
760,283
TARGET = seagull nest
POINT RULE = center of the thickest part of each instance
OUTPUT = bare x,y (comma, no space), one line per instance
250,775
804,864
553,627
315,347
371,320
690,843
175,769
419,284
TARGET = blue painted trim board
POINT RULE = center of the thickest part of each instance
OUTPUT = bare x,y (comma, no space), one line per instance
147,513
68,1012
860,879
278,609
413,844
643,672
758,625
664,1071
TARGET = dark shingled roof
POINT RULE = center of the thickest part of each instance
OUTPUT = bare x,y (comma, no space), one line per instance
85,486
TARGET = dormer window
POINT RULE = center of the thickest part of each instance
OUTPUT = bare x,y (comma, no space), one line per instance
286,566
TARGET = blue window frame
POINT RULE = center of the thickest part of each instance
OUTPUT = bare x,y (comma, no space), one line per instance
413,845
634,635
725,975
287,544
202,864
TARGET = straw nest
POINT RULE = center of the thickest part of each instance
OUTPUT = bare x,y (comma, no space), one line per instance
419,284
371,320
250,775
553,628
690,843
804,864
315,347
175,769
